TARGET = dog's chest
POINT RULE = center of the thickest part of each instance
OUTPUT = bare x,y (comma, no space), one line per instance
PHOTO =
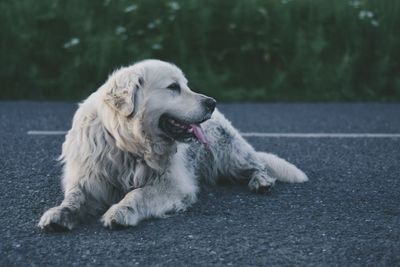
128,172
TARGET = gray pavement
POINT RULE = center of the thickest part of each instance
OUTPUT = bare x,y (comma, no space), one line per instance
348,214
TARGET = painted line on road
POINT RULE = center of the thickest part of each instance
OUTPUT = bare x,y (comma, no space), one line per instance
46,132
276,135
323,135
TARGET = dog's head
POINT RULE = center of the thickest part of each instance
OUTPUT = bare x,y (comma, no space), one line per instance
155,95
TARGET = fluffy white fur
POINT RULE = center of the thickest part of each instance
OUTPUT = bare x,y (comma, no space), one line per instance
118,162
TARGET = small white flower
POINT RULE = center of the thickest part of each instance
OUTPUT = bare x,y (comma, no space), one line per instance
153,24
174,5
156,46
72,42
130,8
365,14
375,23
355,3
120,30
262,11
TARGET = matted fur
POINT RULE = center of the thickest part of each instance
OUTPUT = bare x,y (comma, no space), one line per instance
119,163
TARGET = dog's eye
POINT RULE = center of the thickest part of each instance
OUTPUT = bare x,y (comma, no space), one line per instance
174,87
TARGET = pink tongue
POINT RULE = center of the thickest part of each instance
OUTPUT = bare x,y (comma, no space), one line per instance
198,132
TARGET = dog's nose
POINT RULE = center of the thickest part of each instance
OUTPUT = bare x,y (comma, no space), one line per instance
210,104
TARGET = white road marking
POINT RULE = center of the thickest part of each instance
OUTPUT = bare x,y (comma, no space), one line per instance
276,135
323,135
46,132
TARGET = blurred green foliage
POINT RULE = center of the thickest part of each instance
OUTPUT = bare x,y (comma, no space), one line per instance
256,50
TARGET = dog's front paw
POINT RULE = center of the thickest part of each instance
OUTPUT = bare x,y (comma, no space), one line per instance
58,219
119,217
261,182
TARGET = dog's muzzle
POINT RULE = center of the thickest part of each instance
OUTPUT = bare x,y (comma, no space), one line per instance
185,130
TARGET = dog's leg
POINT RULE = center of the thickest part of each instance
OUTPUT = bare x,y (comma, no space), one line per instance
281,169
155,200
65,216
236,158
240,162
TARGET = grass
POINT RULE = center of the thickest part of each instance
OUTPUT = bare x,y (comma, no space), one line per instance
254,50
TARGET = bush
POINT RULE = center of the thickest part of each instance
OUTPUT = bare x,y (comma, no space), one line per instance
270,50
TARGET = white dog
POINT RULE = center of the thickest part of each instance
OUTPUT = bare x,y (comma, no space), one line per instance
140,144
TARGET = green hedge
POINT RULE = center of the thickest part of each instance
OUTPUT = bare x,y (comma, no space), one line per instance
286,50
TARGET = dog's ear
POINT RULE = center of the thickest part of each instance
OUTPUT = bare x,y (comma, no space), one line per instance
122,92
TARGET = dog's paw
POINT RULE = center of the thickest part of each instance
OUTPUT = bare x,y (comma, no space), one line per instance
261,183
58,219
119,217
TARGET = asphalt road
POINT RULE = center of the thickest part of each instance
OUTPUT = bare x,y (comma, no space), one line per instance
348,214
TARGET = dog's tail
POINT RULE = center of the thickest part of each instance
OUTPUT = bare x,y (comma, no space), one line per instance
281,169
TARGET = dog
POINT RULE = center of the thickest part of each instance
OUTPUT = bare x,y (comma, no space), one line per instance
140,145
